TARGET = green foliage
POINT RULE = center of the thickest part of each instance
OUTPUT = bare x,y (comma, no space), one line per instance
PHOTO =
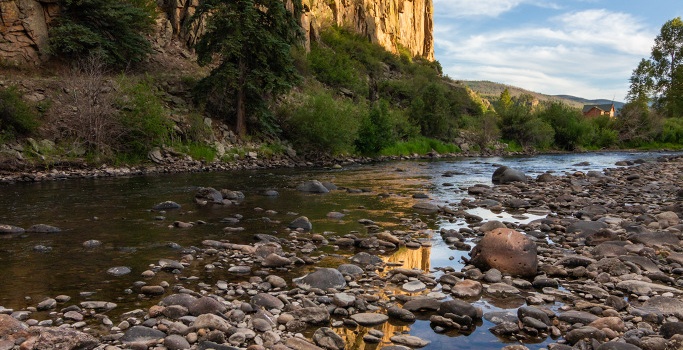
17,118
419,145
659,79
271,149
196,130
376,130
484,129
336,69
637,124
514,146
252,41
320,123
113,29
431,111
143,117
198,151
571,129
672,131
604,133
505,101
519,123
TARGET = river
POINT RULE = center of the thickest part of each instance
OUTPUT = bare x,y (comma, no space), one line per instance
117,212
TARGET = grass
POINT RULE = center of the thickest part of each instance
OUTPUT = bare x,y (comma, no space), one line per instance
198,151
514,146
421,146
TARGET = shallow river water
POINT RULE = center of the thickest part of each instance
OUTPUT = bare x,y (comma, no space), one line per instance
117,213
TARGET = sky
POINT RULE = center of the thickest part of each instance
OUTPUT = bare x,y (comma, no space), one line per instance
585,48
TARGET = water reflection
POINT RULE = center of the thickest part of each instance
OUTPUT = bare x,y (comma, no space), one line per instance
116,212
411,258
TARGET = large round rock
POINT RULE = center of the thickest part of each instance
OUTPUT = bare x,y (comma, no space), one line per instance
322,278
506,175
508,251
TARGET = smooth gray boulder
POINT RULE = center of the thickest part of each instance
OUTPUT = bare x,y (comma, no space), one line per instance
322,278
301,222
505,175
313,186
141,334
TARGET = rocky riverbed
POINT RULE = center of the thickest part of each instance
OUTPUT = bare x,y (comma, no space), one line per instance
602,269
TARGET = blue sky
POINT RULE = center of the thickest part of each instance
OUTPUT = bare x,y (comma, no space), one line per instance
585,48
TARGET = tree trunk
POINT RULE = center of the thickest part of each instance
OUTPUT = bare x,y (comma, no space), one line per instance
241,126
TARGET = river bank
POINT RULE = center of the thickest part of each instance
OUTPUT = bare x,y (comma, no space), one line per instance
169,164
172,163
608,268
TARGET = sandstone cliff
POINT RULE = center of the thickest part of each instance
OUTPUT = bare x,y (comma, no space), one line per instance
390,23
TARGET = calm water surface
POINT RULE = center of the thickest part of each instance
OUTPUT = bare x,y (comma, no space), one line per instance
117,212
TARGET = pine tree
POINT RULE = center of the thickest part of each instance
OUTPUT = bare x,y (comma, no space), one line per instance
252,42
112,30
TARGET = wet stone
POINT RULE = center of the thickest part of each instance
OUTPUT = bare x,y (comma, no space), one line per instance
401,314
267,301
90,244
176,342
142,334
42,228
369,319
410,341
47,304
240,269
119,271
152,290
9,229
168,205
414,286
206,305
326,338
322,278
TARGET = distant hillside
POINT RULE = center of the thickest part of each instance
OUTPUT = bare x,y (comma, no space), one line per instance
583,101
492,91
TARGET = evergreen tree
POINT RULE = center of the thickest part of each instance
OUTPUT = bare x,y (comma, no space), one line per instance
113,30
505,100
252,41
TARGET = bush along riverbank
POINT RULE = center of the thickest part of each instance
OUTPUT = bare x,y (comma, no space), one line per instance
607,252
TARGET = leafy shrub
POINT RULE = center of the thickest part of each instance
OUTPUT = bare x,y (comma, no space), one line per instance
571,129
604,133
320,123
672,131
376,131
143,117
17,118
637,124
196,130
336,69
114,30
431,110
485,129
519,124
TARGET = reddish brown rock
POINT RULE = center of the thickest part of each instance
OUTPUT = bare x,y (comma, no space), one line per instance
508,251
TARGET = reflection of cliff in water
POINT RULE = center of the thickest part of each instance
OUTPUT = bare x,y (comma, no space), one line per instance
410,259
354,337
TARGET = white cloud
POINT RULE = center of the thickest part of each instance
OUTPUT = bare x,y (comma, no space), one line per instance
484,8
586,53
